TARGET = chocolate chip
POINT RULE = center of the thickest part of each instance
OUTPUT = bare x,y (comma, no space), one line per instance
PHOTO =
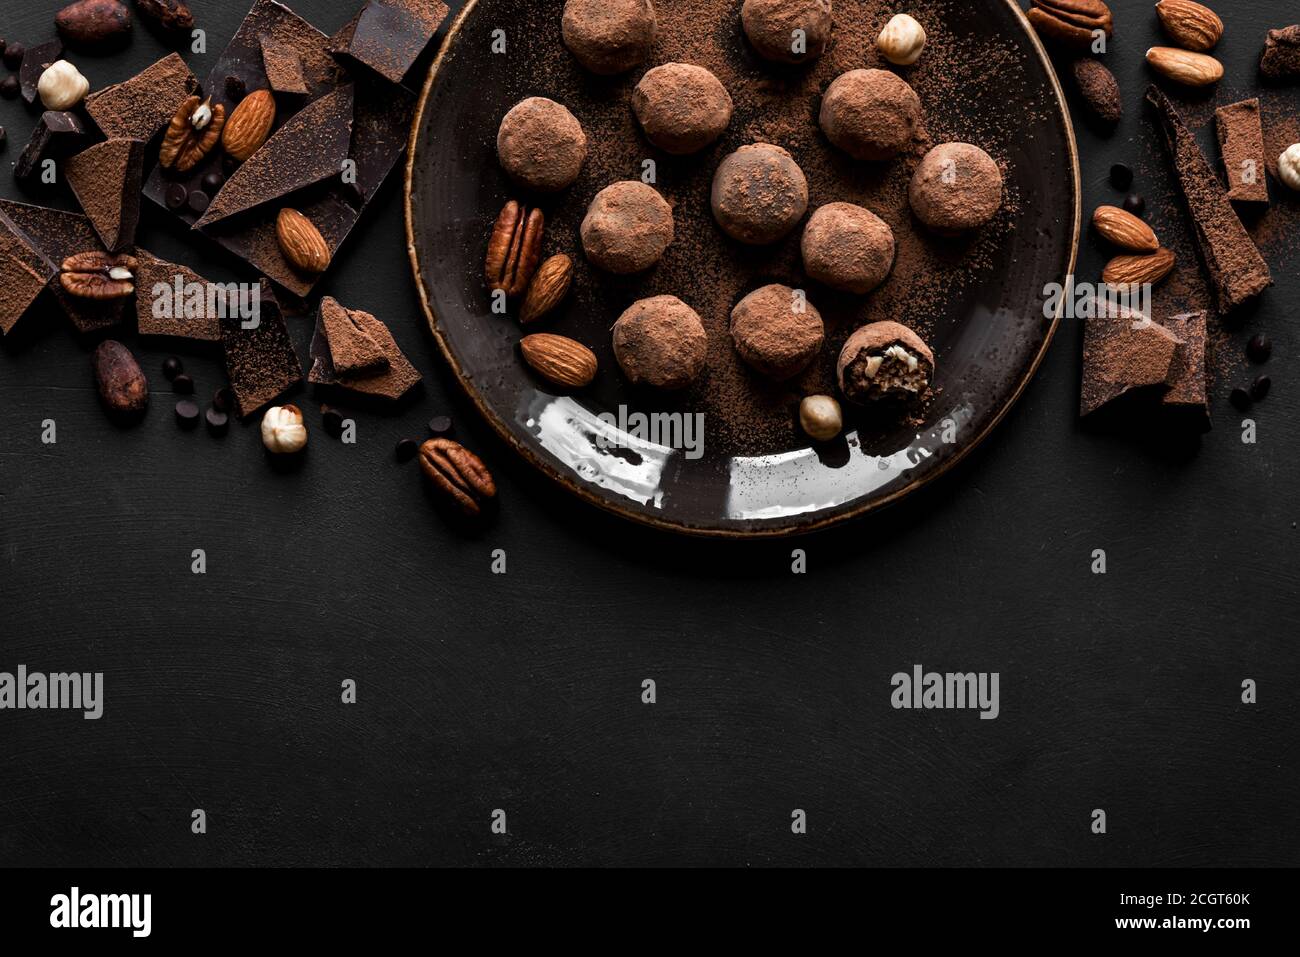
183,385
3,137
176,196
235,89
187,414
229,164
1121,177
1260,387
172,367
441,425
331,421
407,450
212,182
1260,348
223,400
198,201
13,55
1241,400
1135,204
10,87
218,421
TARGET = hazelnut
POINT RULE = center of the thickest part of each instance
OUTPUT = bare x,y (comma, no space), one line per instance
283,430
902,40
1288,167
62,86
821,417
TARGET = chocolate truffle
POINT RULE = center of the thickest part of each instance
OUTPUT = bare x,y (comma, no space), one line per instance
848,248
682,108
541,145
787,31
609,36
956,188
777,331
871,114
885,361
627,228
661,342
759,194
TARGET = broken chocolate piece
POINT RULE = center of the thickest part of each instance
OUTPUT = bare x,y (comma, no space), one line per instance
260,361
1281,59
1241,141
283,68
56,136
59,235
353,351
1188,389
35,62
391,385
381,125
24,273
309,148
389,35
1124,353
173,300
139,108
1236,270
106,180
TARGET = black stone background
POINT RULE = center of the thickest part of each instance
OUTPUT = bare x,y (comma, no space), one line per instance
522,692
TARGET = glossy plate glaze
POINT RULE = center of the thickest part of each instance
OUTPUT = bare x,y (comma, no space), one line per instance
989,343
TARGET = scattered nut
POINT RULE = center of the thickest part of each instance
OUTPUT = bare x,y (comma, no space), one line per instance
120,381
514,249
1125,271
1288,167
1073,23
559,360
1125,230
97,275
1182,66
201,117
249,125
1192,26
301,242
457,475
821,417
283,430
184,146
62,86
548,289
902,40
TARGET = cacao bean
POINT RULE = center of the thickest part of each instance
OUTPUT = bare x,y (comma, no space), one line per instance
94,24
169,15
123,389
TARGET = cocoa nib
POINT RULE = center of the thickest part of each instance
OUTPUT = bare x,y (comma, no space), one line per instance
171,16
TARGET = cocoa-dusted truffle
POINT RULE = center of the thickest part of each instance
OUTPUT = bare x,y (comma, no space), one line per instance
541,145
848,248
682,108
609,36
885,361
777,331
661,342
871,114
956,188
759,194
627,228
787,31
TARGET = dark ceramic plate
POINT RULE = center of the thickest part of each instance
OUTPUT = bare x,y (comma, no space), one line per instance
989,334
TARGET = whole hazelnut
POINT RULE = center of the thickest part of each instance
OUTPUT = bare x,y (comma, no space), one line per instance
821,417
1288,167
62,86
283,430
902,40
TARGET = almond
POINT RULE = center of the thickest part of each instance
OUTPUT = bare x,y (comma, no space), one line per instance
301,242
559,360
1182,66
1192,26
548,288
1138,270
249,125
1125,230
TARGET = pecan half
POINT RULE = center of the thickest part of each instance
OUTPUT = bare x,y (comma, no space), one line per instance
457,475
192,134
514,249
1071,22
96,275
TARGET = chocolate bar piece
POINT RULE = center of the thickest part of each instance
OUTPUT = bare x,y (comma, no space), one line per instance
391,384
1236,270
57,135
106,180
1124,353
36,61
1241,141
353,350
388,36
139,108
260,361
1188,388
283,68
24,273
173,300
58,235
1281,59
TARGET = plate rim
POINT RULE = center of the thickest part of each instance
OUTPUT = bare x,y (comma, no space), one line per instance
796,528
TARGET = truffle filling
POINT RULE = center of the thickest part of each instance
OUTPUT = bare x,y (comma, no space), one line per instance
878,375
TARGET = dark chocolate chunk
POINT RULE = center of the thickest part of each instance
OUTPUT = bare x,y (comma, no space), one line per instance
218,421
187,414
24,272
441,426
223,400
1241,400
1188,379
260,361
9,87
406,450
1236,270
1135,204
172,367
381,125
283,68
36,60
1260,388
106,180
1123,354
139,108
198,201
1281,59
1241,143
173,300
183,385
56,136
1121,176
389,35
392,384
1260,348
353,351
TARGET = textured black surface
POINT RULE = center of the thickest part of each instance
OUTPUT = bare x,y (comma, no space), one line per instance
522,691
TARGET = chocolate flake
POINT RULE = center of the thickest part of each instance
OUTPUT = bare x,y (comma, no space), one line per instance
24,272
190,307
260,362
1241,141
283,68
139,108
389,35
1123,354
106,180
35,62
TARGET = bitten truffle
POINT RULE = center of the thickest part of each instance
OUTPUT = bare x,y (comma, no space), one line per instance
759,194
541,145
660,342
848,248
609,36
777,331
956,188
885,361
871,114
627,228
682,108
787,31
